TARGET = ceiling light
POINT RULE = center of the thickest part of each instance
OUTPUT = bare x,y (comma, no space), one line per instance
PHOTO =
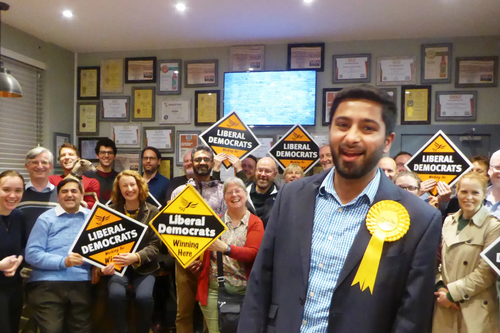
67,13
180,7
308,1
9,87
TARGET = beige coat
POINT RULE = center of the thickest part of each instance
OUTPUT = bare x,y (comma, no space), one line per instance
467,276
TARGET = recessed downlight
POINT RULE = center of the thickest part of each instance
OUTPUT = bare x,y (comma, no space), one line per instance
67,13
180,7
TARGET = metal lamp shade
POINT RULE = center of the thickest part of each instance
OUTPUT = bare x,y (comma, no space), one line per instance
9,87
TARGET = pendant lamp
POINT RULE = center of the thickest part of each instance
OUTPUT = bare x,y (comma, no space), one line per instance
9,87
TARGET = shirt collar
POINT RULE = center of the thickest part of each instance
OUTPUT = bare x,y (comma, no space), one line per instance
244,220
369,191
60,210
48,188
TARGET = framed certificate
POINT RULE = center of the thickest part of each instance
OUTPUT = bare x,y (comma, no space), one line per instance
162,138
415,105
88,121
175,112
246,58
476,72
112,76
393,92
128,160
329,95
186,141
140,70
456,105
114,108
86,146
59,140
393,71
88,85
201,73
126,136
143,103
306,56
169,77
166,167
435,63
206,107
352,68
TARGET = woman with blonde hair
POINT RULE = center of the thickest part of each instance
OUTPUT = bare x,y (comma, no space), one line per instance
293,172
129,197
466,297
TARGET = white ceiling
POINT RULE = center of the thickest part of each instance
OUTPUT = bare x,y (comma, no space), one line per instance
119,25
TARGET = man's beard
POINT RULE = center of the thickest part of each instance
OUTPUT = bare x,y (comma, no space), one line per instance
202,173
357,171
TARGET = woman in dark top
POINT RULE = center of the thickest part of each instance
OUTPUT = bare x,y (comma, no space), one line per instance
129,198
12,243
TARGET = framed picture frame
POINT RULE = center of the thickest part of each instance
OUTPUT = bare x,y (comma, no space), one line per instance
435,63
394,71
143,103
309,56
352,68
88,82
206,107
456,105
60,139
127,159
114,108
112,76
169,77
160,137
140,70
329,95
166,167
87,118
415,105
86,146
393,92
128,136
246,58
175,111
476,72
266,143
184,143
201,73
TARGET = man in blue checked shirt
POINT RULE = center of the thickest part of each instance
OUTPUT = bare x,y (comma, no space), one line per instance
59,288
303,279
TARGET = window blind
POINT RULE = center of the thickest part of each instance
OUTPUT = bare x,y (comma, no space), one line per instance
21,119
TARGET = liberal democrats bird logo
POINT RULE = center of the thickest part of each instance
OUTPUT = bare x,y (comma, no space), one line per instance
187,204
231,123
296,136
101,219
438,146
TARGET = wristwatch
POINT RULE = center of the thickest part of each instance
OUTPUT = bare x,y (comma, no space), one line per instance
228,250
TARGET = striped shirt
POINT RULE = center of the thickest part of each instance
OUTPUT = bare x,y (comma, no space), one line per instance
334,228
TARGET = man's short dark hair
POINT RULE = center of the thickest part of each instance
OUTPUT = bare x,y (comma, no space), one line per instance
154,150
481,160
401,153
370,93
69,180
201,148
252,157
105,142
70,146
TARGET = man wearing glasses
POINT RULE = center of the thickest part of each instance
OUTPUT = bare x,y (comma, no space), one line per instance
105,151
492,200
158,184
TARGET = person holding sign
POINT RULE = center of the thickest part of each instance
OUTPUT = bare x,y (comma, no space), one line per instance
12,243
129,197
466,297
239,246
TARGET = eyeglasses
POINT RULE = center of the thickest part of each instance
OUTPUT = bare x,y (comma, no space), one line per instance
409,188
265,171
495,167
202,159
104,153
35,163
149,158
236,192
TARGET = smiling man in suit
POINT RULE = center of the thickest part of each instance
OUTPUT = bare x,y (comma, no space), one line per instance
305,276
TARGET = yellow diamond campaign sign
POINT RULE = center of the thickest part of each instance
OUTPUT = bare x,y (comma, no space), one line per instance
188,226
298,147
105,234
231,136
439,159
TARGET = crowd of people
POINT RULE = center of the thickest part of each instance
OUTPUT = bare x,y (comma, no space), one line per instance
294,251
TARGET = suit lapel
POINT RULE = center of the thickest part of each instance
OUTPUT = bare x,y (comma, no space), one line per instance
386,191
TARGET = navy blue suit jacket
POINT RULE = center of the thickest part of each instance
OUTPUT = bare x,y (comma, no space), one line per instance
403,294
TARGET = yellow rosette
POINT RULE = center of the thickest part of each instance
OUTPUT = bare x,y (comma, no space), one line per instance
387,221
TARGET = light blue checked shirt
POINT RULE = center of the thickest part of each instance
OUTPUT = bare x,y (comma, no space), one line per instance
334,229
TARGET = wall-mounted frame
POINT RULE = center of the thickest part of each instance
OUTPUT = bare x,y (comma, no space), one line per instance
59,139
456,105
114,108
111,76
160,137
393,92
87,118
306,56
201,73
476,72
206,107
128,136
435,63
128,160
246,58
166,167
266,143
175,111
352,68
329,95
169,77
143,103
415,105
393,71
140,70
185,142
88,82
86,146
